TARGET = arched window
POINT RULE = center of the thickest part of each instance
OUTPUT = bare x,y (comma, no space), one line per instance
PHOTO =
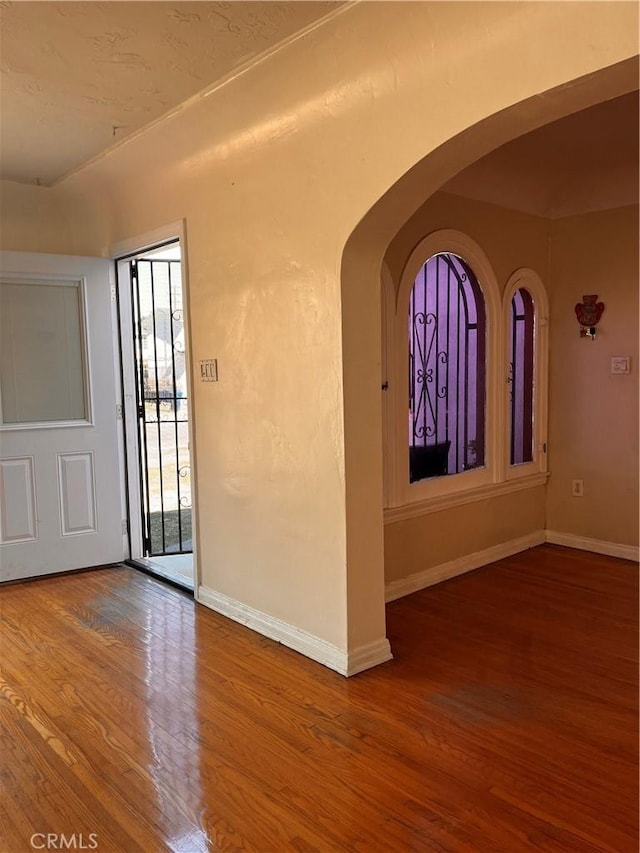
447,369
464,378
521,376
526,357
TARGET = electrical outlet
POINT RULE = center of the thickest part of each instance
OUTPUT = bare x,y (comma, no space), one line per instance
577,488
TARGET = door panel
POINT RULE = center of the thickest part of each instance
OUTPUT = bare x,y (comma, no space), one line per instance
18,500
60,486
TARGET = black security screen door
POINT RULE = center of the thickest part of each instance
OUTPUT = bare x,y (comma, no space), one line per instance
162,405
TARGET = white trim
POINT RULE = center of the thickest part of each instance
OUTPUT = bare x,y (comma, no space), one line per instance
30,425
122,252
597,546
127,432
367,656
235,73
469,562
295,638
403,492
143,242
405,500
395,514
129,448
276,629
387,312
461,565
190,361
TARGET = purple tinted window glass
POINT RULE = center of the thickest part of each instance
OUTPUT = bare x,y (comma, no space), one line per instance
447,331
521,376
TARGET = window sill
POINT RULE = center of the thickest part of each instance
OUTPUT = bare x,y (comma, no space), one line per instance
392,515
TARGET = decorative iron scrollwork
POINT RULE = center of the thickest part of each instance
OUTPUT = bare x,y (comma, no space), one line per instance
446,368
183,473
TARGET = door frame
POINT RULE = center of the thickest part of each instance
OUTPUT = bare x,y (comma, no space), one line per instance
121,253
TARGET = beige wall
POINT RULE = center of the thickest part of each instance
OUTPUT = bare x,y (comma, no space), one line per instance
271,174
593,423
32,219
593,428
367,244
428,541
509,239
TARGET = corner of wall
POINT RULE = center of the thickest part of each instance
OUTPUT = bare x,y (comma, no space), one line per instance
344,662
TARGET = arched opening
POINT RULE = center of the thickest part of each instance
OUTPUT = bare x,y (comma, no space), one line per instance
376,252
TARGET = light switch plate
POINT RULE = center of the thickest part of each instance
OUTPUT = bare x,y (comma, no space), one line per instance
620,364
209,370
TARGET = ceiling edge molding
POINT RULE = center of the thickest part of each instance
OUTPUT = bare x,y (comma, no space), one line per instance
238,72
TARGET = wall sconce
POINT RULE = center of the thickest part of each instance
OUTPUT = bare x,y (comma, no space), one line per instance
588,313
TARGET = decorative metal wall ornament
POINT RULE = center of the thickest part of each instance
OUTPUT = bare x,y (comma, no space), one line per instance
588,313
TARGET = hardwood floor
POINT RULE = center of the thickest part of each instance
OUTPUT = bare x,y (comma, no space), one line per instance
507,721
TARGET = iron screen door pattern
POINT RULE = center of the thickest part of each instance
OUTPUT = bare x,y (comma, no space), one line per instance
60,490
447,345
162,406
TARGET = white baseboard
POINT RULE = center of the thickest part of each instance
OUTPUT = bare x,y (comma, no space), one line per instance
371,654
340,660
445,571
583,543
365,657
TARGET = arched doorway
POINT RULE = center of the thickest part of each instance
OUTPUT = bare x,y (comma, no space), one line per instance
366,262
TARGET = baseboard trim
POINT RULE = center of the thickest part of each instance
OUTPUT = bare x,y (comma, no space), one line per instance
461,565
368,656
583,543
469,562
339,660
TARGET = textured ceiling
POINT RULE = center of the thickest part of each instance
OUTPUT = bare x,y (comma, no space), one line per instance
79,76
585,162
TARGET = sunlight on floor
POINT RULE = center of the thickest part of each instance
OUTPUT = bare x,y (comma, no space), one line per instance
177,568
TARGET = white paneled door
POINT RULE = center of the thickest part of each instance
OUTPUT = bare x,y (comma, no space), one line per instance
60,493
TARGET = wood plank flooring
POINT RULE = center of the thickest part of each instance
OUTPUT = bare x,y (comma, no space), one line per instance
135,720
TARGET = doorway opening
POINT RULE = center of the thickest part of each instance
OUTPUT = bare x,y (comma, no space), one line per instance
156,402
